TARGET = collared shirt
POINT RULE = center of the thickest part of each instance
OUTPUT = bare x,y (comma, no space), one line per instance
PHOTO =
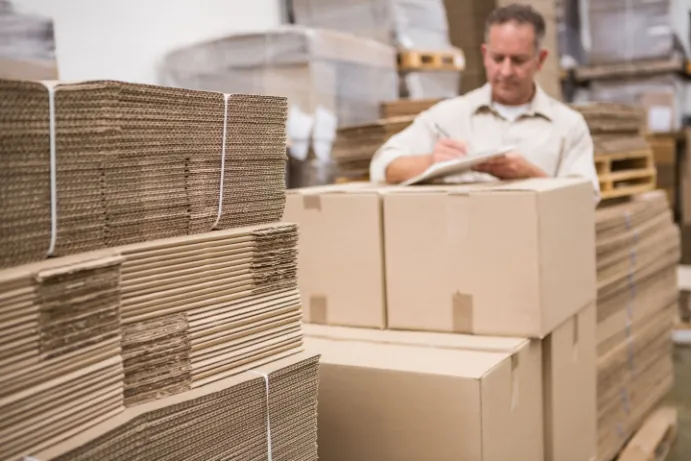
549,134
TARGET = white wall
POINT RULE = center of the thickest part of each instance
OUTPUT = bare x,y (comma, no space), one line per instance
125,39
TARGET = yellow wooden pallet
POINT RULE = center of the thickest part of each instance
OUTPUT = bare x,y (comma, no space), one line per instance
625,174
410,60
654,439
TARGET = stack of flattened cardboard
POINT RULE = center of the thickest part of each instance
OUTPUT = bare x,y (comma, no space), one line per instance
268,413
132,163
355,145
197,309
638,248
60,365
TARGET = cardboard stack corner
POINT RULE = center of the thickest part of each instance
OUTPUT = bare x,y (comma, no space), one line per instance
128,171
554,378
355,145
60,364
638,249
397,248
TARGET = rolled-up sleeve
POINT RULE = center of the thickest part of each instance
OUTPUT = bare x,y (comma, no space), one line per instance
579,157
417,139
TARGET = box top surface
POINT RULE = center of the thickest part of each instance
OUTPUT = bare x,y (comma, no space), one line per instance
415,338
410,359
528,186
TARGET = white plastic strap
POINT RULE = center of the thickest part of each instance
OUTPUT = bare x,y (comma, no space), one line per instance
268,421
226,96
53,169
30,458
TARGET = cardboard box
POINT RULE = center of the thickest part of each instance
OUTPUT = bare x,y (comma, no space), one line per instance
340,257
570,389
514,259
389,401
568,372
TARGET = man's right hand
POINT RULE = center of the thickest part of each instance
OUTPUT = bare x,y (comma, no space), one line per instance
448,149
404,168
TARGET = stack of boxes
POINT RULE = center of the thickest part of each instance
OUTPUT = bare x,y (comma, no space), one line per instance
151,336
637,56
467,315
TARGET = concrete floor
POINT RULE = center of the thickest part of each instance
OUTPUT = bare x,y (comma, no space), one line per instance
680,397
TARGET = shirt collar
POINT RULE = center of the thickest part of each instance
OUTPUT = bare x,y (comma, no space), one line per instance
540,104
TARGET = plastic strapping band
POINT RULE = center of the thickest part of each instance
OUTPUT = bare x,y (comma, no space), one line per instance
620,431
627,217
30,458
226,96
624,395
53,169
268,421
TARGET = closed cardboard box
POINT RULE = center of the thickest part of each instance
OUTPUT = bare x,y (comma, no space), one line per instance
340,256
514,259
568,372
399,402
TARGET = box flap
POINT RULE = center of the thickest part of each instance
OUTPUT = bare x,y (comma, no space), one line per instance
394,357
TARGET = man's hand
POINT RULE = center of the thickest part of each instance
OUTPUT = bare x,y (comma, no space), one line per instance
448,149
511,166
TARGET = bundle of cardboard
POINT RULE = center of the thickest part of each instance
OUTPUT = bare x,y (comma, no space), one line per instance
269,413
100,164
91,334
355,145
637,251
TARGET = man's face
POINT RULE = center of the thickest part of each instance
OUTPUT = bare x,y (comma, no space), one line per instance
511,61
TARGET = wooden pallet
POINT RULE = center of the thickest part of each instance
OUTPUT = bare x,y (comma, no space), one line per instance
654,439
412,60
625,174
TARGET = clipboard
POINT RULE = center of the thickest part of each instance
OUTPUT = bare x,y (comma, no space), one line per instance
456,166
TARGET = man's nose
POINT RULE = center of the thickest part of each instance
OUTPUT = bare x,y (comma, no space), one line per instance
506,67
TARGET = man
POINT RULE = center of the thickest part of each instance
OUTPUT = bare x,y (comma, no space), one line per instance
550,139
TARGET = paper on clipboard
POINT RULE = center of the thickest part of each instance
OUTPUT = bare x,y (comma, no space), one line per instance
454,167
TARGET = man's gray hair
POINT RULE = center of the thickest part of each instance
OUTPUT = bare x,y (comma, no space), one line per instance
521,14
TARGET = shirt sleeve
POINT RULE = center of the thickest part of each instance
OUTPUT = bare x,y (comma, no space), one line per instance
417,139
578,158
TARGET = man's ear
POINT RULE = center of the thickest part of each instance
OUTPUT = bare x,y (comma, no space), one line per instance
483,48
542,57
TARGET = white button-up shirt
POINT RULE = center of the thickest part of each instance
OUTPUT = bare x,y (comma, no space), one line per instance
549,134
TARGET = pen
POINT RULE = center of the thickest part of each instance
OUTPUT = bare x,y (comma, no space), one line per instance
441,131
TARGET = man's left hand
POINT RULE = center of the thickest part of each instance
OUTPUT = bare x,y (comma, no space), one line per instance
510,166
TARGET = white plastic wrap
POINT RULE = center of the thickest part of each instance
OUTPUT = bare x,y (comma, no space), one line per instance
635,30
418,24
25,36
331,79
430,85
571,51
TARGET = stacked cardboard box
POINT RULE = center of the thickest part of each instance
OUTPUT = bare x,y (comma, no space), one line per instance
130,163
665,148
638,249
418,25
355,145
430,258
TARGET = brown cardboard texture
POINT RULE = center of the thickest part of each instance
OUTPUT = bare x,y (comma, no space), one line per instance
514,259
569,359
390,401
340,258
